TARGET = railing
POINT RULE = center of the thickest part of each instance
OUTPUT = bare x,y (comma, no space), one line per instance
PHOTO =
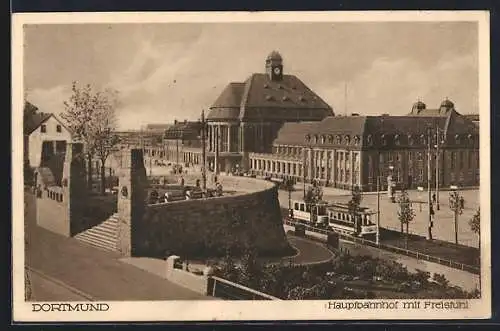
227,290
390,248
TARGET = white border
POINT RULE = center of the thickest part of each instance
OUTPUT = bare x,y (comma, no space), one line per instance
243,310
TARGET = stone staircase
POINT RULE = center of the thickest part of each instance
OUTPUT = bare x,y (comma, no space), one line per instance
103,235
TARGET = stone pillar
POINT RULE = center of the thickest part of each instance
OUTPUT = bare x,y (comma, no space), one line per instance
333,170
309,165
74,187
229,137
131,200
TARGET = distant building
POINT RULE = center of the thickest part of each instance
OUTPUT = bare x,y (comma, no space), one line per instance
45,135
349,151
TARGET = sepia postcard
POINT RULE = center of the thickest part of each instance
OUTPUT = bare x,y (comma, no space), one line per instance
251,166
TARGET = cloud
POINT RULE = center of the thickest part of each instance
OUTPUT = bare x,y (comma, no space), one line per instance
49,100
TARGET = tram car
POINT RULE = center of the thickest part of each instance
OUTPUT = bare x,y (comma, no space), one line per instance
312,214
341,220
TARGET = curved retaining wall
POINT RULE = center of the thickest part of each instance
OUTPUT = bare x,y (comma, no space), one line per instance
208,227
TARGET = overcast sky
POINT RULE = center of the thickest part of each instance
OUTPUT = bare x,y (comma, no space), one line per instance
172,71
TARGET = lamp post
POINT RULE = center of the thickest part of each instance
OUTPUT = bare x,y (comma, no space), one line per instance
438,142
377,238
429,202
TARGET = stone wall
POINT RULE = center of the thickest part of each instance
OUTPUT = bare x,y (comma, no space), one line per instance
59,207
199,228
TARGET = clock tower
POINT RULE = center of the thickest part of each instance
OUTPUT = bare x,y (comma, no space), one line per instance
274,66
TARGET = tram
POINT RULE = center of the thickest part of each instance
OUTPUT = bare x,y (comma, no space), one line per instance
313,214
341,220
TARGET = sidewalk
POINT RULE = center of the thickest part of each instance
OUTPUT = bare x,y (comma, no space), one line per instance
93,271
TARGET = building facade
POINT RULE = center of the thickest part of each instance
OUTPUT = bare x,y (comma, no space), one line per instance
352,151
44,136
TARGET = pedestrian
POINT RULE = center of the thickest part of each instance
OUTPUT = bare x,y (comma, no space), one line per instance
462,203
434,198
432,211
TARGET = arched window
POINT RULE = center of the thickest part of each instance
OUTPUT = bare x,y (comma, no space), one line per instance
330,139
457,139
323,139
356,140
347,139
315,138
308,138
338,139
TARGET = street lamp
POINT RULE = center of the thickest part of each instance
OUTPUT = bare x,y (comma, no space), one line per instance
436,146
456,205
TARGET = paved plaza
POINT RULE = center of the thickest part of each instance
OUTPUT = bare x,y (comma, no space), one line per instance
443,223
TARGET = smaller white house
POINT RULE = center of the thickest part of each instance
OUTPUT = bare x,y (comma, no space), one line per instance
44,134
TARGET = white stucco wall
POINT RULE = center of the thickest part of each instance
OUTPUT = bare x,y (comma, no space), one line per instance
36,139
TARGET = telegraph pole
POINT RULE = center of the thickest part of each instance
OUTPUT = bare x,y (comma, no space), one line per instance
203,151
437,167
377,240
304,173
429,202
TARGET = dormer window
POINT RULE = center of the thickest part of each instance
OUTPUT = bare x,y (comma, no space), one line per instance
323,139
347,139
369,140
411,141
308,138
43,128
302,99
356,140
330,139
269,97
59,128
383,139
457,139
285,98
266,86
338,139
397,141
315,139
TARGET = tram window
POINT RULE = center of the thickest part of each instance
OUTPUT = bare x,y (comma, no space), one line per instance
296,206
321,210
308,208
301,207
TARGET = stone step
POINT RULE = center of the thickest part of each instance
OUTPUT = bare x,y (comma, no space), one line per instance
104,233
108,226
98,244
106,240
103,236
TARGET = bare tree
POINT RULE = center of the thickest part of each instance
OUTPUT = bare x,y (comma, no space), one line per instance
457,206
406,214
90,115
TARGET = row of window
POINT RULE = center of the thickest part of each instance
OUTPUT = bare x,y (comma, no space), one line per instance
43,128
385,139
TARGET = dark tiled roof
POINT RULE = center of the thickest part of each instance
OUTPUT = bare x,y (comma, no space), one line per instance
362,126
472,117
31,123
261,98
183,130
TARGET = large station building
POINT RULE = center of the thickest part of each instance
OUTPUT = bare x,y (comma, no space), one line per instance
347,151
247,116
272,124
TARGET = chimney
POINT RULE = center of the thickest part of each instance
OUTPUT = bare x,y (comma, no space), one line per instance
175,121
